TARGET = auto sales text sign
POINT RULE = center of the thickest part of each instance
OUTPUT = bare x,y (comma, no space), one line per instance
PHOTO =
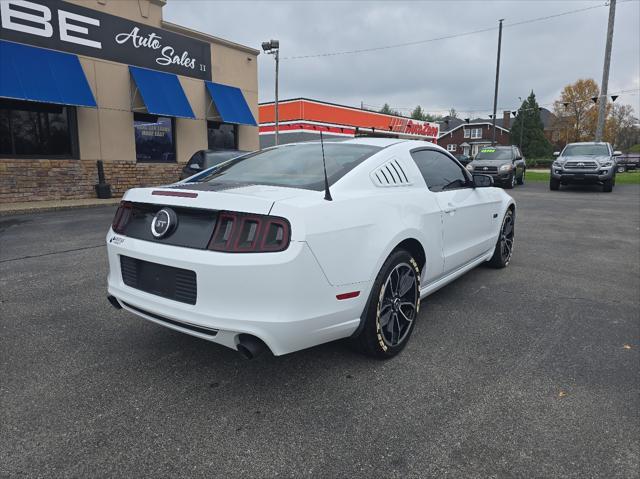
63,26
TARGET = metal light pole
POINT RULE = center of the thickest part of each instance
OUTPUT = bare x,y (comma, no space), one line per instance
602,110
495,93
272,47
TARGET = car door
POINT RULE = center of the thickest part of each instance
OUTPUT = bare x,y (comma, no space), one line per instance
468,222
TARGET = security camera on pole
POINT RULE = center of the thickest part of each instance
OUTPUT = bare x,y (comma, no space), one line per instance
272,47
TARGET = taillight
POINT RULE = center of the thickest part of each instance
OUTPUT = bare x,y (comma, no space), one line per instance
121,218
249,233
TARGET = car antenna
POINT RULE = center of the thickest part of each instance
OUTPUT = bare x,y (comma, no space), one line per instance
327,193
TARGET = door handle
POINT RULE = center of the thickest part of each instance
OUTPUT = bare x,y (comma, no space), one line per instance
451,208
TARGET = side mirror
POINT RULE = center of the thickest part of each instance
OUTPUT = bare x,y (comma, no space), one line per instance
556,153
617,153
482,181
195,166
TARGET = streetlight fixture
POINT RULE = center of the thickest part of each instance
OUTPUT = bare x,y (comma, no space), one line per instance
272,47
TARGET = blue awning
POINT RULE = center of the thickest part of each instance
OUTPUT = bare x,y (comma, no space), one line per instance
37,74
231,104
161,93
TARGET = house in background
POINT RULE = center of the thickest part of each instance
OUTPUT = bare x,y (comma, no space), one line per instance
462,138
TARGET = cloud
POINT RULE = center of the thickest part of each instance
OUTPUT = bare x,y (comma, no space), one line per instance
455,72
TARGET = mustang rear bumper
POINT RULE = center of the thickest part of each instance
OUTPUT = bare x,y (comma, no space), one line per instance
282,298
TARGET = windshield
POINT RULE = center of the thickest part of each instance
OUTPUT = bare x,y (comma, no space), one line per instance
498,154
586,150
296,166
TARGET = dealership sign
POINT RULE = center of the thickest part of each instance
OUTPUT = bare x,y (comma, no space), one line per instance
63,26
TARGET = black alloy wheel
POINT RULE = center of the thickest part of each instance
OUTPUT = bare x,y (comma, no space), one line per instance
392,309
504,247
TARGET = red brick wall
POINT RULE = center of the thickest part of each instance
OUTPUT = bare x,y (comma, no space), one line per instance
38,180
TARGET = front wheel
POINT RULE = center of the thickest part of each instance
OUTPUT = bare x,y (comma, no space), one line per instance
521,179
392,309
504,247
554,185
512,182
607,186
621,169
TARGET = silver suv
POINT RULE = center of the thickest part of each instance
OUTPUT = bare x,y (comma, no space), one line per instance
585,163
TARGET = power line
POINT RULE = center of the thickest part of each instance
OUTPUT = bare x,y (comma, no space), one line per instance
444,37
633,91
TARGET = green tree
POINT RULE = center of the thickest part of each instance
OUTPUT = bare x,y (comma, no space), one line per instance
418,113
386,109
530,128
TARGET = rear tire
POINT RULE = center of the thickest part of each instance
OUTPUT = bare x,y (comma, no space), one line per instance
621,169
607,186
554,185
390,314
503,251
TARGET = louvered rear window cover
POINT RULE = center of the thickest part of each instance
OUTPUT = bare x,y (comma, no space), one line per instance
391,173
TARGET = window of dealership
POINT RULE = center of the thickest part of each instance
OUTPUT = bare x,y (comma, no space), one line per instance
89,80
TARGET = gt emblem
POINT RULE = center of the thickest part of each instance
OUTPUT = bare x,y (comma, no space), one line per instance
164,222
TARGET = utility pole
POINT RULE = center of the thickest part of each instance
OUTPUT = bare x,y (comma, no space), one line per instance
495,93
602,106
277,57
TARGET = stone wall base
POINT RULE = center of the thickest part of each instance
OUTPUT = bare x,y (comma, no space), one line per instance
40,180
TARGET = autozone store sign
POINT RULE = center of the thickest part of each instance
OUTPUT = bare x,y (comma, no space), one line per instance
67,27
305,113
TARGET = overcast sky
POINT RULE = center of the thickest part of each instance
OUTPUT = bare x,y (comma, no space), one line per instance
455,72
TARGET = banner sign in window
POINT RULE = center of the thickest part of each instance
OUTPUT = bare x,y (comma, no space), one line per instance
64,26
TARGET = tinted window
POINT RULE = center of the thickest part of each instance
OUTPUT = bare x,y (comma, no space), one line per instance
222,136
298,166
214,158
35,129
438,170
586,150
492,153
155,139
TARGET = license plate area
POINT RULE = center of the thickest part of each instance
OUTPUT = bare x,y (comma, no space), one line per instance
168,282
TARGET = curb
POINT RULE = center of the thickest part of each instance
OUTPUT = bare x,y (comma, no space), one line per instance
9,210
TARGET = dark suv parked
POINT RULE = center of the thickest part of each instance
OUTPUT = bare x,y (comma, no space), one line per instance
585,163
504,163
203,159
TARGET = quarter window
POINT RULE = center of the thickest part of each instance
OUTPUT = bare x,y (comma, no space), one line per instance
439,171
29,129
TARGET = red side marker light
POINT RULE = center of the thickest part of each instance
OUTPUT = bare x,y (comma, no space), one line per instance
352,294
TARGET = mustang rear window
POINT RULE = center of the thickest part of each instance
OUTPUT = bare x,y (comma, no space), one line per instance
296,166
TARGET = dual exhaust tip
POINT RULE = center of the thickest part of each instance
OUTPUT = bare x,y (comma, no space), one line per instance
250,347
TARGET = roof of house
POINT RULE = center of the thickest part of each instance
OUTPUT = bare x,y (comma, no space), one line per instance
479,122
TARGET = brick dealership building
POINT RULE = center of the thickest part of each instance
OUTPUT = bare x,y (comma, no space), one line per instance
88,80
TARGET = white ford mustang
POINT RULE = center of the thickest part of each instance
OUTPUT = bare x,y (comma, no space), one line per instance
266,251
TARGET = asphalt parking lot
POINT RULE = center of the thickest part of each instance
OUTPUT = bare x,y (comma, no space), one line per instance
532,371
